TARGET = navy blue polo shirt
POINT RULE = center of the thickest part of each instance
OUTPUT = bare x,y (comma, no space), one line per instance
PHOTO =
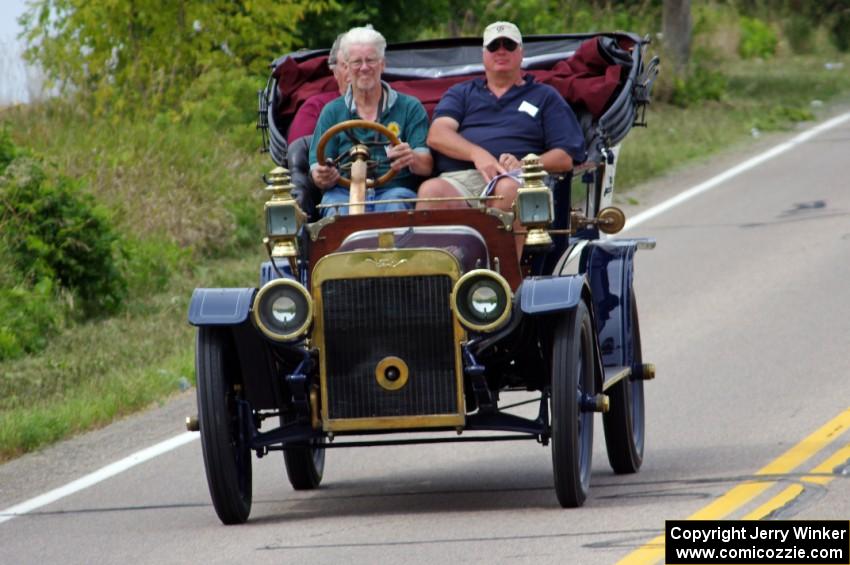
528,118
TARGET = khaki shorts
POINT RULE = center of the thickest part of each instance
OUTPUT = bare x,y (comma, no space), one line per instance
468,182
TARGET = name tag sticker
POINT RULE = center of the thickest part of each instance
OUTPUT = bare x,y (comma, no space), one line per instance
528,108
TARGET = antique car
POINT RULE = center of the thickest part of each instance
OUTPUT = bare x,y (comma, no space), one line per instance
369,326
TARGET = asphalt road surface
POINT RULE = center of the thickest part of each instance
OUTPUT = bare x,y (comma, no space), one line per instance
745,310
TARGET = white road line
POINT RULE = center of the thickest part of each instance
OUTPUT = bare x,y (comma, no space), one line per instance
713,182
100,475
175,442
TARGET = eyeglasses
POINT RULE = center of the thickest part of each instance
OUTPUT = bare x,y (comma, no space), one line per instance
359,63
508,44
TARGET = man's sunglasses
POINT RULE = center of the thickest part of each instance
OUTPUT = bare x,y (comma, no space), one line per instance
508,44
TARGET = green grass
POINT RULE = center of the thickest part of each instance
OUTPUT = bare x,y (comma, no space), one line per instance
193,187
765,95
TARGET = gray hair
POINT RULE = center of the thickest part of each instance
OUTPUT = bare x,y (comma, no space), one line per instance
334,52
363,36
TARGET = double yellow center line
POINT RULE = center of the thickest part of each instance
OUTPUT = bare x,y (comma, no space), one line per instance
743,493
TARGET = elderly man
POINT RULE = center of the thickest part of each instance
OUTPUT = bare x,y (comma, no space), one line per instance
369,98
482,128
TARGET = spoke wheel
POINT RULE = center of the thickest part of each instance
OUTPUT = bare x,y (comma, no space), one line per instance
624,422
572,428
227,459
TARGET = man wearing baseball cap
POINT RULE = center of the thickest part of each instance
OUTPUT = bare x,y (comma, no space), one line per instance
482,128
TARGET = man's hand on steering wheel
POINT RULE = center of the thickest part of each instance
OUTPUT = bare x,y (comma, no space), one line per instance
401,156
325,176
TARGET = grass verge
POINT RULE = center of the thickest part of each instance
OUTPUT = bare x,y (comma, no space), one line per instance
94,372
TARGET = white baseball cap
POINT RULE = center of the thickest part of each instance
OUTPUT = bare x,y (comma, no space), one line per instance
502,29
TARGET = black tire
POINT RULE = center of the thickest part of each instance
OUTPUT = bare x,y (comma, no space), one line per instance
227,461
625,420
572,428
305,466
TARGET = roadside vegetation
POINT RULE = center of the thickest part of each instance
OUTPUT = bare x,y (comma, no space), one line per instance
142,180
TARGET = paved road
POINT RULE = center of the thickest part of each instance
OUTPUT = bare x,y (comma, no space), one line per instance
745,309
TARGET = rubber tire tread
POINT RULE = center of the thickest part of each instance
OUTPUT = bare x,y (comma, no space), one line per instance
623,455
301,469
566,462
231,504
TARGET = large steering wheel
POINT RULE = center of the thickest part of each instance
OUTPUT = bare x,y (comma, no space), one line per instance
353,124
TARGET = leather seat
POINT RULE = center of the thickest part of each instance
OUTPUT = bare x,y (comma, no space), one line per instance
306,193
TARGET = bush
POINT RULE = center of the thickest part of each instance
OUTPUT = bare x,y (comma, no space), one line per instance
221,99
757,39
800,33
703,81
839,31
53,231
29,316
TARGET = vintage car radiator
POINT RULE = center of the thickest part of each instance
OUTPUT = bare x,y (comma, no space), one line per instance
388,340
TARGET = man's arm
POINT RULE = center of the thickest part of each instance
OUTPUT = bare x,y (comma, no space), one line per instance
444,137
556,161
324,177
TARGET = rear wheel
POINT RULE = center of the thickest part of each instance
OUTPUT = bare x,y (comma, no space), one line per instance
624,422
572,428
227,459
305,465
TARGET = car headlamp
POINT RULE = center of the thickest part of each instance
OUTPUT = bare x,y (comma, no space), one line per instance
482,300
283,310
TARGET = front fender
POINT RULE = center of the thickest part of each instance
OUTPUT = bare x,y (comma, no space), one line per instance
542,295
220,306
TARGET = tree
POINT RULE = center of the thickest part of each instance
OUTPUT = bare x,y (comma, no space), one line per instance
137,54
676,26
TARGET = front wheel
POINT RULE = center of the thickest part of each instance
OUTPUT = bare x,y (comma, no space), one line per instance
624,422
572,427
227,458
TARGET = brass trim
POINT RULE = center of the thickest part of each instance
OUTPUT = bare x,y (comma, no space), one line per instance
258,322
538,237
396,422
498,322
374,263
386,239
365,263
381,369
611,220
415,200
315,419
315,228
507,218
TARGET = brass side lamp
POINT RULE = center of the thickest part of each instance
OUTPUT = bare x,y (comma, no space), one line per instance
283,217
534,206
